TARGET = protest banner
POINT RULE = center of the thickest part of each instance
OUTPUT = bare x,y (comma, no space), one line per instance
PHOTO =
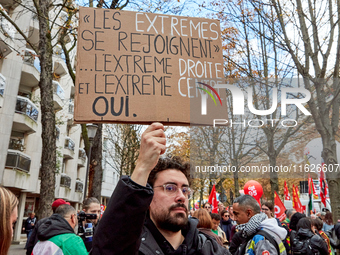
135,67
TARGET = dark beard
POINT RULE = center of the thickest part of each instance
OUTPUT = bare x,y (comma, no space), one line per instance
172,223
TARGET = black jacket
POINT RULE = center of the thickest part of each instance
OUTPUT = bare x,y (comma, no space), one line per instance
236,241
318,244
40,227
53,226
226,226
28,224
124,228
34,237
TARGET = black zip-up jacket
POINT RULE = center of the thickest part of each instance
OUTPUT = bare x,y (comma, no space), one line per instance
317,243
34,236
124,228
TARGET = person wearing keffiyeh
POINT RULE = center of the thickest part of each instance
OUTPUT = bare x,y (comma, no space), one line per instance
250,220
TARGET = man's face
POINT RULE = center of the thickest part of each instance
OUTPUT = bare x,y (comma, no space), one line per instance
231,210
169,211
215,224
94,208
32,215
241,214
207,207
220,207
225,216
72,219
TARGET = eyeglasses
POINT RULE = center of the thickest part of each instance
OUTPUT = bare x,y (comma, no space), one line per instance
171,189
226,215
207,207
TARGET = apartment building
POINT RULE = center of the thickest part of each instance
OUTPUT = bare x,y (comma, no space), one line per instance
20,116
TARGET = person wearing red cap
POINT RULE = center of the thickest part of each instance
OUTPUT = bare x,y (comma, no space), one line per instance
57,203
34,236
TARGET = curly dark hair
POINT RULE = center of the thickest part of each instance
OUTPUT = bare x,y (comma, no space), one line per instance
329,218
170,163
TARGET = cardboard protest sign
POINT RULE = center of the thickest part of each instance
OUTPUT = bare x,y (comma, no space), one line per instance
135,67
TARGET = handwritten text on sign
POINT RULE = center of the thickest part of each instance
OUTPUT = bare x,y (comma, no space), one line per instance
140,67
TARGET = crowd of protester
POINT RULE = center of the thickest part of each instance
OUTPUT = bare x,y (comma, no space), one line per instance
315,234
148,214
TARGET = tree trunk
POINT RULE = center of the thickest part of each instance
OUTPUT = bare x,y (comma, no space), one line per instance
96,163
329,155
48,158
237,186
274,180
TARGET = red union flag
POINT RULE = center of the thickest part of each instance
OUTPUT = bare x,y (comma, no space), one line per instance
323,185
315,195
279,208
213,200
296,200
286,192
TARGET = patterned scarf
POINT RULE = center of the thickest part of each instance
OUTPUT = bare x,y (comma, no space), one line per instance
252,226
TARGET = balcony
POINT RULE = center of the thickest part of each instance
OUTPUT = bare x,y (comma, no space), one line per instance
81,157
59,65
79,186
16,144
2,89
18,160
31,69
26,116
69,148
65,181
33,34
58,96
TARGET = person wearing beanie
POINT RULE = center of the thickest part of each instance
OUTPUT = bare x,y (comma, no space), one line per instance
34,236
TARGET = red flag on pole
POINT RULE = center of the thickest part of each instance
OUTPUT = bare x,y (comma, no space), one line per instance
286,192
323,186
213,200
315,196
296,200
279,208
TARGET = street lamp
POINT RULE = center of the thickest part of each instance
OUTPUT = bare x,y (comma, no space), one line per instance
91,133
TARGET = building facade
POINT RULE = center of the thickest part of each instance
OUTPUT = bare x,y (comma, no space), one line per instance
20,115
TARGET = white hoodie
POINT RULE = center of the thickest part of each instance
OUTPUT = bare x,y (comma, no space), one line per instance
271,225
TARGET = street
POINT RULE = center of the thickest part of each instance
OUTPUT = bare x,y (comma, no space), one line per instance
17,249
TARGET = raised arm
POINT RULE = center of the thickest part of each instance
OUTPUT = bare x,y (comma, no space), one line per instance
153,144
121,226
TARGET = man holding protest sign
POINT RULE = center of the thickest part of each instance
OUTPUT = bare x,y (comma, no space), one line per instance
148,213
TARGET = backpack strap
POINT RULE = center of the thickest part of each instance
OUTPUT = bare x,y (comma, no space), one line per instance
270,238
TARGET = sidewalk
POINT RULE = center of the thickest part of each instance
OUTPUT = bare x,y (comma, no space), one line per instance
17,249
